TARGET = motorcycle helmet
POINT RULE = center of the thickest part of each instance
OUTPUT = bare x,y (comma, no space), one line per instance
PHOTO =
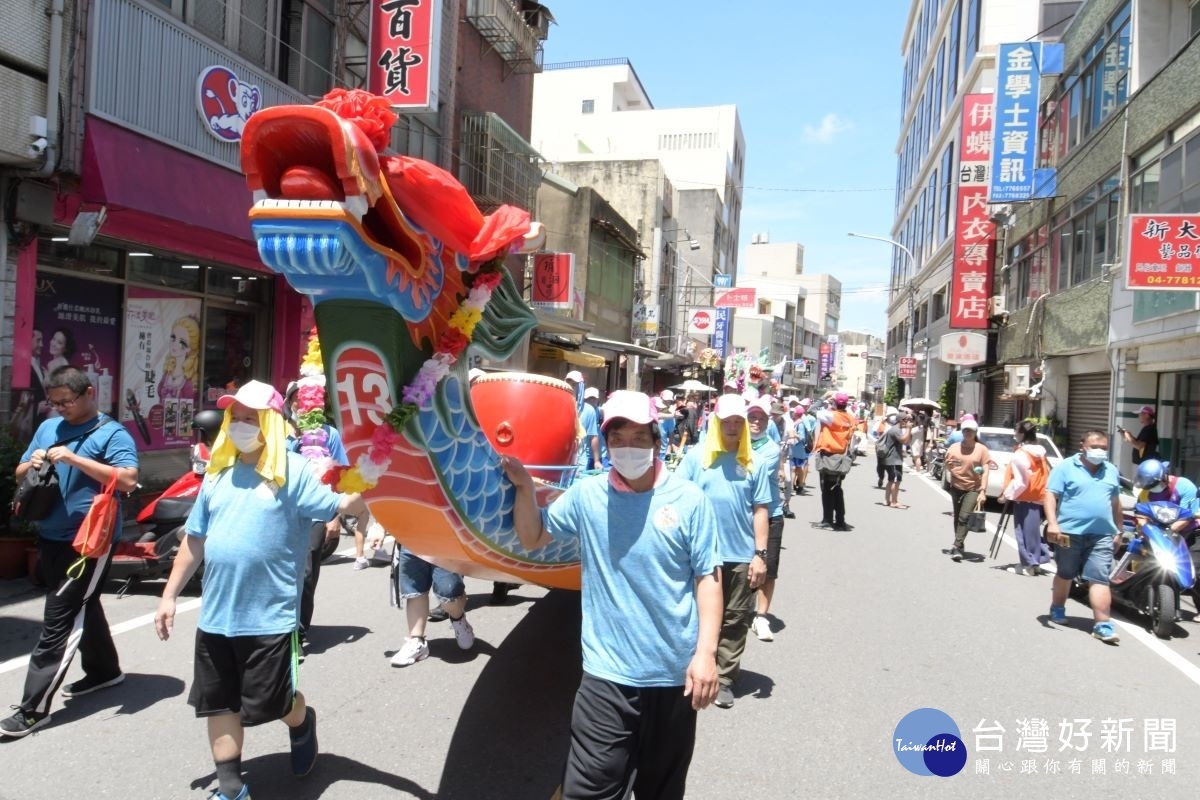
208,422
1151,475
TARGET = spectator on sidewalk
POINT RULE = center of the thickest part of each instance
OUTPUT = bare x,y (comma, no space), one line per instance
88,449
250,528
413,578
1083,513
966,466
1145,444
651,609
890,450
1025,488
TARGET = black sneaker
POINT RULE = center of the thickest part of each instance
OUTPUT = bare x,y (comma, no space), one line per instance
789,514
22,723
90,683
724,697
956,554
304,747
841,526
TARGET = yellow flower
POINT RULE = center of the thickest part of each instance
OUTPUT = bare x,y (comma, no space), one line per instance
352,482
465,319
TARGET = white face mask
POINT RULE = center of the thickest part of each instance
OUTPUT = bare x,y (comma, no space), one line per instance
1096,455
245,437
631,463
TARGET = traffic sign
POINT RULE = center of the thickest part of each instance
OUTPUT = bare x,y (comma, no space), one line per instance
908,368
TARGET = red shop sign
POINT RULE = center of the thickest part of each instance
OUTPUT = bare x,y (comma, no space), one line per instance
1164,252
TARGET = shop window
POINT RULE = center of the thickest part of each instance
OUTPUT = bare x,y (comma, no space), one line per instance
95,259
231,352
589,106
166,272
237,286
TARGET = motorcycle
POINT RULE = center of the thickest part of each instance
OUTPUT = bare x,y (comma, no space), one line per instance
146,550
937,460
1156,566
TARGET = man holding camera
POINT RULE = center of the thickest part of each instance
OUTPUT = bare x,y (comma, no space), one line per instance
891,452
1145,444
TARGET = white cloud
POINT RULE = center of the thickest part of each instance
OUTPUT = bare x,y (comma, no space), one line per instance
831,125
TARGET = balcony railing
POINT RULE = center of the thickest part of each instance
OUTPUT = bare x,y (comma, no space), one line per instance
496,165
502,26
143,66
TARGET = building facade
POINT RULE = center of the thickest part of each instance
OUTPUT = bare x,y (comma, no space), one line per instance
130,253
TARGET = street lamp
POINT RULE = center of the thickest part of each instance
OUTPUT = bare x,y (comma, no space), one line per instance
912,291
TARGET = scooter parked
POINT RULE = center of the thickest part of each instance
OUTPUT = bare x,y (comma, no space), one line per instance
146,551
937,460
1156,567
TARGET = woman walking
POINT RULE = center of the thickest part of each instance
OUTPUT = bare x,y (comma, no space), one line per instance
1025,487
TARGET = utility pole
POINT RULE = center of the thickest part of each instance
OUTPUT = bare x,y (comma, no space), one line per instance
912,300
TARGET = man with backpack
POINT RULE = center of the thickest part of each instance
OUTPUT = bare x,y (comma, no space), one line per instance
1025,487
806,435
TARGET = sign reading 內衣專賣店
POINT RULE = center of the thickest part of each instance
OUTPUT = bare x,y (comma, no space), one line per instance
1164,252
974,231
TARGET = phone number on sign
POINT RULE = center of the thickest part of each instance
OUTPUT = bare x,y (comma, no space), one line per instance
1169,280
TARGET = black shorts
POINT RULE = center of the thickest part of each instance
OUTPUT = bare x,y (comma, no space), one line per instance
894,472
774,543
254,676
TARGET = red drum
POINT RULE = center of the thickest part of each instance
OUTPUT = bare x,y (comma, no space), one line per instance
530,417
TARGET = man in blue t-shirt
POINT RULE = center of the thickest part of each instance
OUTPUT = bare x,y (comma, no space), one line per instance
250,526
1083,513
589,424
768,458
651,609
723,467
88,450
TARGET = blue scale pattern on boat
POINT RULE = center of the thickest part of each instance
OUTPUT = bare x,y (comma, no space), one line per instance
471,474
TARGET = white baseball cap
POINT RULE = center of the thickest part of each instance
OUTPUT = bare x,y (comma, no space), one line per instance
590,392
730,405
574,375
667,396
633,406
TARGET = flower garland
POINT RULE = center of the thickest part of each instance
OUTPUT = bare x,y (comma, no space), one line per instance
310,408
418,394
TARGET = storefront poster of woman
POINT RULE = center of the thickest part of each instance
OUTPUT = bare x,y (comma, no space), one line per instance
160,368
74,322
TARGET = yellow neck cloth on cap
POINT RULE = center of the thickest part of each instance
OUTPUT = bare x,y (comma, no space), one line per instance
272,459
714,445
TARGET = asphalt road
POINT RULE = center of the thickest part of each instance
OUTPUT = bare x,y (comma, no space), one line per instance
870,626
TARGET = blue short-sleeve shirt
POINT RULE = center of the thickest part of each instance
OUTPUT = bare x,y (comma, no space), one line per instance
109,444
734,491
766,458
641,555
256,544
1084,500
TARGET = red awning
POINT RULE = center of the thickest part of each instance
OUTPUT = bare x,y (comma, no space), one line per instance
163,197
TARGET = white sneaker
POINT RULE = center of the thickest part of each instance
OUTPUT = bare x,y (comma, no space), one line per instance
464,634
381,556
361,563
413,650
762,629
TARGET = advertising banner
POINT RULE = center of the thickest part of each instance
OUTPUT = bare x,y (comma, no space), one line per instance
75,322
1014,132
824,360
645,321
702,321
963,349
741,297
1164,252
161,369
974,232
403,62
720,340
553,280
908,368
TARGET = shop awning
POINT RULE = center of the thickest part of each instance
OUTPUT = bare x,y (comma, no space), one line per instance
564,326
552,353
623,347
160,196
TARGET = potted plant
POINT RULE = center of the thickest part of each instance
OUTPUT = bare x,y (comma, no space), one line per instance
15,537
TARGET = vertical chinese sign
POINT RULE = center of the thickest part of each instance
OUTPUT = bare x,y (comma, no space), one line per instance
720,338
1164,252
1014,137
404,57
974,232
553,280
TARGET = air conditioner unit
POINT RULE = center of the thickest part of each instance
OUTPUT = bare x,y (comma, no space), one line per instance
997,306
1017,379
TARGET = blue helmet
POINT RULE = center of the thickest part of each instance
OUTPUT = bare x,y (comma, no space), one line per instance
1152,475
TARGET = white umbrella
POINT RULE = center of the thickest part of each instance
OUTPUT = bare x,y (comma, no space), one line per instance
693,385
919,402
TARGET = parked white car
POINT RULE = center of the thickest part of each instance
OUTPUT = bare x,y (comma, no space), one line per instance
1001,443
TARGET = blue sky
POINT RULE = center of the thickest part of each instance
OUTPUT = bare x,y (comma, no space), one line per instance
817,86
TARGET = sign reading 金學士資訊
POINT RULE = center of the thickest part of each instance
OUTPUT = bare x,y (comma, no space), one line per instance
974,231
1164,252
404,57
1014,135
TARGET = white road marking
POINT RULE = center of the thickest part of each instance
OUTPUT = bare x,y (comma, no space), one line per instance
1153,643
131,624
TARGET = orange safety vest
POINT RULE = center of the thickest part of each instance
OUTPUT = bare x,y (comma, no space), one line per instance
1039,472
835,437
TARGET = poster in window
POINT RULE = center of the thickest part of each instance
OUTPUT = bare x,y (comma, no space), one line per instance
161,368
74,323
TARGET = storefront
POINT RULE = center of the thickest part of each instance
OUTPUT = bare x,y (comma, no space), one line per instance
1087,405
161,336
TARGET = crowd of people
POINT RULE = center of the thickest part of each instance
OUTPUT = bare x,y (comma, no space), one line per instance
679,511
